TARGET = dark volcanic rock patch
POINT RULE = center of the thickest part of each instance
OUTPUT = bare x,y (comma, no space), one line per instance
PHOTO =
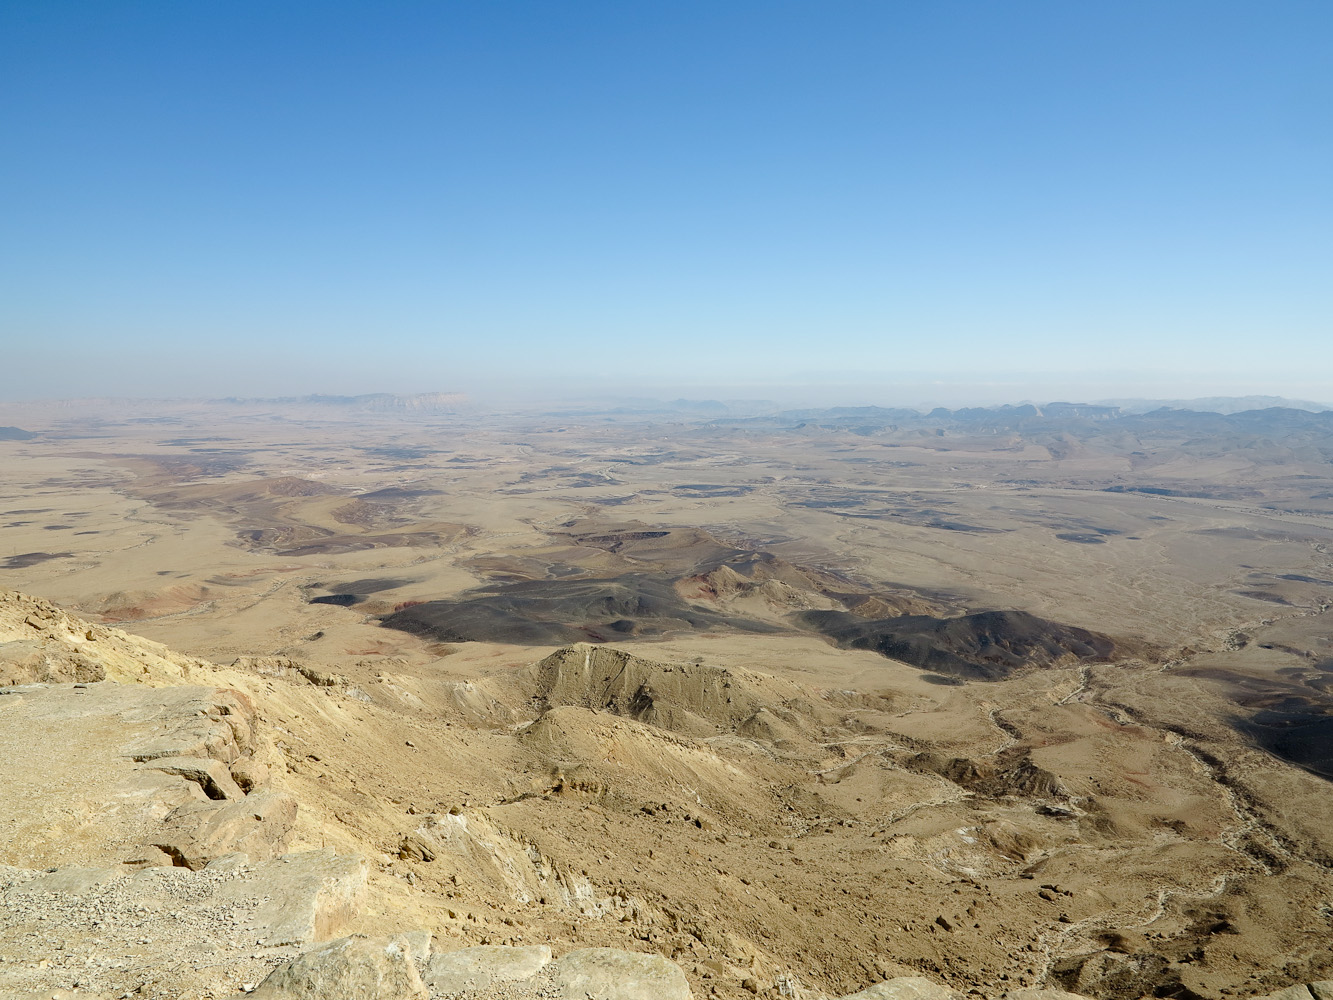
543,612
1081,537
1263,595
988,646
25,559
1288,712
1301,737
672,551
708,491
1298,578
363,588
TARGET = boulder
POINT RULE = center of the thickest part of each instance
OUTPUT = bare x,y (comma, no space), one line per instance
31,662
310,896
198,832
151,926
210,775
199,722
610,974
249,774
1322,990
65,881
904,988
361,967
478,968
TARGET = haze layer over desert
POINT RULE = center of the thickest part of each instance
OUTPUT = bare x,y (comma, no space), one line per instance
801,701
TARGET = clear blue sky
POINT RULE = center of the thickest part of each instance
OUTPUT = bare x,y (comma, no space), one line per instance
261,198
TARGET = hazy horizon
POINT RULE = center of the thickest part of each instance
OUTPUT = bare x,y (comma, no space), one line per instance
924,395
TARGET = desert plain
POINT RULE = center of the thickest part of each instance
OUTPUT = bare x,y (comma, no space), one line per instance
1005,698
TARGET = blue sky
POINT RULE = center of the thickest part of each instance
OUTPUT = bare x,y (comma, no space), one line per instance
1018,198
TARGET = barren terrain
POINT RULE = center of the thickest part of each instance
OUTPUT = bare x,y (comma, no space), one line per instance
1004,698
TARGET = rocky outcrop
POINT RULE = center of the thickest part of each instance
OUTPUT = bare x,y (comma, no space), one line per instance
693,699
382,969
127,773
39,643
905,988
483,966
257,825
1322,990
210,775
609,974
288,669
373,968
1011,772
170,931
28,661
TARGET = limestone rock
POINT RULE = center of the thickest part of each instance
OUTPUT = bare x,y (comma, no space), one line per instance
258,825
249,774
69,640
610,974
101,740
418,945
237,861
366,968
29,662
216,723
290,670
1042,995
244,917
309,896
1302,991
907,988
67,881
477,968
210,775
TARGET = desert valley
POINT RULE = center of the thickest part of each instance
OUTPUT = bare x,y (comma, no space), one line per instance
775,702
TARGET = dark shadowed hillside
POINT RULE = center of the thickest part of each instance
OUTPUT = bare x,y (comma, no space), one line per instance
987,646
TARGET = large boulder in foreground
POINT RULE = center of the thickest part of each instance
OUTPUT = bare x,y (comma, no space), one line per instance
480,967
1322,990
369,968
905,988
387,969
141,932
258,825
610,974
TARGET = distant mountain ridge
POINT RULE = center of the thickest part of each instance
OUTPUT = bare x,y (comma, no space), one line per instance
762,409
1216,404
373,402
1029,417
